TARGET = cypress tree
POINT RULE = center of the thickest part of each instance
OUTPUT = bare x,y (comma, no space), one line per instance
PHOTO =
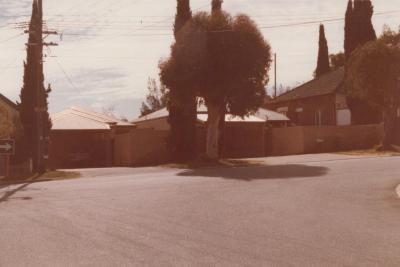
182,105
359,28
363,20
323,54
183,15
28,95
33,97
349,40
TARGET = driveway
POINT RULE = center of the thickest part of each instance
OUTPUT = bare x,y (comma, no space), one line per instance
316,210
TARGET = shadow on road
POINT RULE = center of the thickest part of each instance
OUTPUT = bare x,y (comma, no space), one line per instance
259,172
8,194
22,187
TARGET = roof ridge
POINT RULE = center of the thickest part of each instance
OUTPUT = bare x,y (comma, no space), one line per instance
330,73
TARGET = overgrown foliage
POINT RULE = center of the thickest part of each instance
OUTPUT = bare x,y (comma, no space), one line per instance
225,61
323,66
372,77
156,98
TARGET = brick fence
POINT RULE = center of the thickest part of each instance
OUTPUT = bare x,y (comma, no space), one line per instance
304,140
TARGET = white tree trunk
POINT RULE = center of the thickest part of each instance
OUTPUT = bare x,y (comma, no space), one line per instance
214,118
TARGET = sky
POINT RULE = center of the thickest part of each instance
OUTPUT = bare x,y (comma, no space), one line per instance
108,49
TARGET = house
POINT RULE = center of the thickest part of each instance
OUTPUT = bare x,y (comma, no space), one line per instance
243,137
11,108
82,138
319,102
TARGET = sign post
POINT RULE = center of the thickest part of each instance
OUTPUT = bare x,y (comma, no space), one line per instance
7,148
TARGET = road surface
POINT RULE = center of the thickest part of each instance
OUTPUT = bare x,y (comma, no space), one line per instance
320,210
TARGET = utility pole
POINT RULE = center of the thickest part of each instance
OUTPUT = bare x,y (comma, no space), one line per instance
275,86
40,106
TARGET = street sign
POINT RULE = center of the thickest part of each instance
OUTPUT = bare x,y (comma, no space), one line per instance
7,147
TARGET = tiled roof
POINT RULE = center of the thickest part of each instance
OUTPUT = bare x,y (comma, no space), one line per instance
324,85
76,118
261,116
8,101
269,115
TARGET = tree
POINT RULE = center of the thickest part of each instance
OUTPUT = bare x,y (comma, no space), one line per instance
33,98
359,31
349,40
7,128
182,104
390,36
216,6
363,30
223,59
156,98
358,25
183,15
323,54
372,77
337,60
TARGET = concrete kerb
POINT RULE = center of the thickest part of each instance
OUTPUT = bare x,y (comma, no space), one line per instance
398,191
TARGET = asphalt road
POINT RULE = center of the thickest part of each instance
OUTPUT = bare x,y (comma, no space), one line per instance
297,211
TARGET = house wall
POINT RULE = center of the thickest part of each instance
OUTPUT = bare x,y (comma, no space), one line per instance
302,112
14,115
312,139
80,149
12,110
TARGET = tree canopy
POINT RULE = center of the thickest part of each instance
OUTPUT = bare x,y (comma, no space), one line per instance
222,59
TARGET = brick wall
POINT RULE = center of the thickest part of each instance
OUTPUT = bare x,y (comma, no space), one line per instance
80,149
141,147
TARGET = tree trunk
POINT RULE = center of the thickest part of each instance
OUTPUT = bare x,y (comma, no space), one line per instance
221,133
214,119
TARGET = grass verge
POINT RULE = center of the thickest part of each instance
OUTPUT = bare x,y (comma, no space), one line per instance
370,153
